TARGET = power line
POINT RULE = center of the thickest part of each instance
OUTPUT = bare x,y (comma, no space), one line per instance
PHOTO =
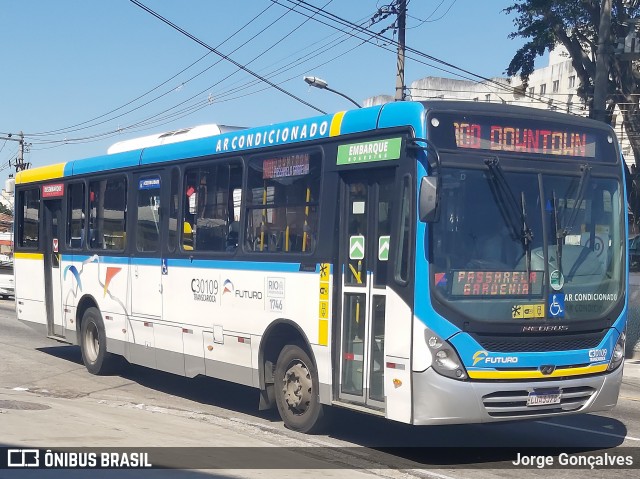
156,119
339,20
71,129
427,20
225,57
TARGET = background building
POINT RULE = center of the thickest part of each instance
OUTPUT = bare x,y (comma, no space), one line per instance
553,87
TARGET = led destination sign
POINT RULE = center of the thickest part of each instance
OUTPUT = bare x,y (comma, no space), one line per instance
496,283
285,166
545,141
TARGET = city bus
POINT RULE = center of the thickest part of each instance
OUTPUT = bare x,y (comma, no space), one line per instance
428,262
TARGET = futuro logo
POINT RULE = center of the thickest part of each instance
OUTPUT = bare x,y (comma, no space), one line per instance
479,356
227,287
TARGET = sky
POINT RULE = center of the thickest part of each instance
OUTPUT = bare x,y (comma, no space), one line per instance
81,75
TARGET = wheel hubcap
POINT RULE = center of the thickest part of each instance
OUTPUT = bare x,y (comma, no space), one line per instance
91,342
297,388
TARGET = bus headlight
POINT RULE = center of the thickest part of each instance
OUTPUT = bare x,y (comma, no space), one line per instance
445,359
618,352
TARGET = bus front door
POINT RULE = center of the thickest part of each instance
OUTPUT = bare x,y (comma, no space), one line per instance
365,234
52,278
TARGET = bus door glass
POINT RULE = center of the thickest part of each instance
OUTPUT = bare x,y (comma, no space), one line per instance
365,236
147,263
52,279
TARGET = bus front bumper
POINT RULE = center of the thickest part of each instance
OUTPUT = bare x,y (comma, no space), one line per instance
441,400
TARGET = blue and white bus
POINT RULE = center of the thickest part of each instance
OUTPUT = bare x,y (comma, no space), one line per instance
432,263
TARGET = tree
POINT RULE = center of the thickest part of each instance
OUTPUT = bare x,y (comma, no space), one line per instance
574,24
5,210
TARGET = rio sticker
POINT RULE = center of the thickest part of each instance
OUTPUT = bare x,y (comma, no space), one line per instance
556,280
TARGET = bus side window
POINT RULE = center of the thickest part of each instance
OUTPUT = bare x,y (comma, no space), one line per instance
174,197
75,213
282,203
29,218
148,219
212,206
107,213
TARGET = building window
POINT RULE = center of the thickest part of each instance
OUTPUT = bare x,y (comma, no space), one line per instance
487,97
543,89
532,92
556,86
572,81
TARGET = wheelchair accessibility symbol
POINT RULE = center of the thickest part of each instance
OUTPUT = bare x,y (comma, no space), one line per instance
556,305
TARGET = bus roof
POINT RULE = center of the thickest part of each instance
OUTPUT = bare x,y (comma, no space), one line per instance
233,139
237,140
184,134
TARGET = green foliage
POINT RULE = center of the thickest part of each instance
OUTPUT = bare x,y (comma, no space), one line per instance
5,210
574,24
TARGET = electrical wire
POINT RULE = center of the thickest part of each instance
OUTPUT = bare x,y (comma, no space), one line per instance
225,96
70,129
147,123
225,57
336,19
427,20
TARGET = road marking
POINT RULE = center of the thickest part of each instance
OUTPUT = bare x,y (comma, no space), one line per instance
630,438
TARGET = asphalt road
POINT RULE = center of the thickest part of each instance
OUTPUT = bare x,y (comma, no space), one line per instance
49,400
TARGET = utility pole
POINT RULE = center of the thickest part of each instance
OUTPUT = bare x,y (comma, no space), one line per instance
20,164
601,81
402,21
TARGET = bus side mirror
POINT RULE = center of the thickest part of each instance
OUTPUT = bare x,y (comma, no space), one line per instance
428,199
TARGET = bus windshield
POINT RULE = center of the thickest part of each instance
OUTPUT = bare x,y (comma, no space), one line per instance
527,245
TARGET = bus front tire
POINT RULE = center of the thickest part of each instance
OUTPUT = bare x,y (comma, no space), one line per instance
93,344
297,391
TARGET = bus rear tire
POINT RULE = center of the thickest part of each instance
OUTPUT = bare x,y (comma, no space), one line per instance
297,391
93,344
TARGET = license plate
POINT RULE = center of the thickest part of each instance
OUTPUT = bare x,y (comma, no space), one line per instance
544,398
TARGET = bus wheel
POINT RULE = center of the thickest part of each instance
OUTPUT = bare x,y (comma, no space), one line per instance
93,344
296,388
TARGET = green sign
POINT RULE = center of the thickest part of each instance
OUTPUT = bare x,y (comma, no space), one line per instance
356,247
379,150
383,248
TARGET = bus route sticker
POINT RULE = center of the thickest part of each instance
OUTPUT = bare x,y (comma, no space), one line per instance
556,305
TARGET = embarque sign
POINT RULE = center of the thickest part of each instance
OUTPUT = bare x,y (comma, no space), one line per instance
369,151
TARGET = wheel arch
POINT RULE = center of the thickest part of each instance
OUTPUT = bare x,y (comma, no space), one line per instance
278,334
87,301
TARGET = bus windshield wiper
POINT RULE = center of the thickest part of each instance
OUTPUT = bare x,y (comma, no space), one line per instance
560,233
519,227
573,215
562,230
